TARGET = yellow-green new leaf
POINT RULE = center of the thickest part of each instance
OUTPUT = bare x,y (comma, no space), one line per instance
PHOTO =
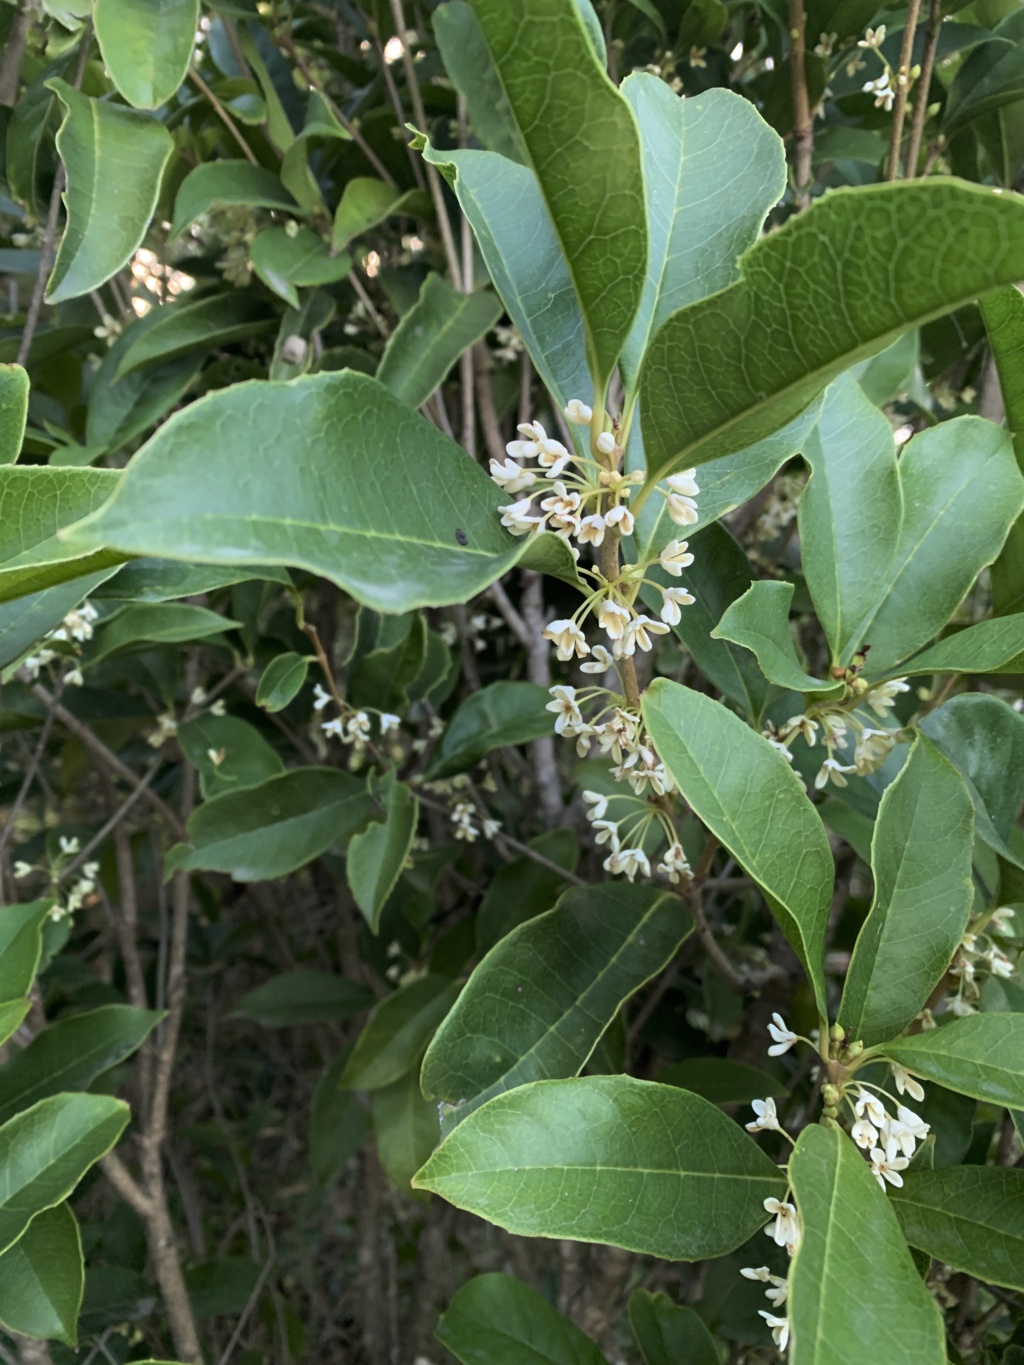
147,46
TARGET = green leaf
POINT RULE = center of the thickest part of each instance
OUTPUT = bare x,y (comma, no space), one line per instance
45,1151
497,1320
282,680
969,1217
536,1006
123,409
338,1123
712,170
162,580
140,624
103,144
981,1056
71,1053
473,72
429,339
523,888
314,501
405,1126
26,620
147,46
42,1278
397,1031
20,945
201,324
752,801
12,1014
759,620
35,504
384,677
303,997
220,184
1003,312
667,1334
991,76
988,647
499,714
719,376
854,1291
229,753
288,262
13,410
608,1159
267,831
921,860
366,202
561,98
377,855
722,1081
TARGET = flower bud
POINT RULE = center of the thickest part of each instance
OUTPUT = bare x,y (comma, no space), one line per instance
830,1094
855,1049
837,1033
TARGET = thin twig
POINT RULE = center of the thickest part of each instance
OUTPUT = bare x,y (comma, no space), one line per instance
803,123
115,820
486,410
222,114
14,53
30,772
924,84
902,91
125,1184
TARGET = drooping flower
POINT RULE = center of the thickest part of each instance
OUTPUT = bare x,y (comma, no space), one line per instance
516,517
672,600
639,632
833,769
628,861
867,1106
567,638
675,557
564,705
614,618
511,476
599,662
598,804
766,1119
785,1231
882,698
906,1084
783,1038
675,865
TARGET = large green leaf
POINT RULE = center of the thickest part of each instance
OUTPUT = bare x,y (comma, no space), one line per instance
813,300
45,1151
608,1159
406,1128
712,170
524,888
303,997
218,184
1003,312
582,142
42,1278
397,1031
989,647
854,1291
752,801
472,70
499,714
377,855
103,144
147,46
969,1217
269,830
429,339
13,410
496,1320
921,860
323,460
71,1053
981,1056
36,503
759,621
27,619
536,1006
199,324
667,1334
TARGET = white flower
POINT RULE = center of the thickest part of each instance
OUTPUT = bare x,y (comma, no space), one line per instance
882,698
883,92
561,503
68,846
606,443
864,1134
785,1231
674,558
999,963
905,1083
577,411
517,519
779,1326
553,456
620,516
320,697
567,638
639,632
618,735
777,1287
684,483
833,769
511,476
166,726
867,1106
782,1037
872,750
334,727
803,725
960,1007
674,865
904,1132
1001,921
389,722
598,803
566,711
358,729
766,1120
606,832
834,726
683,511
462,819
628,861
873,37
22,869
614,619
885,1168
672,600
490,828
650,771
591,530
73,678
778,744
599,662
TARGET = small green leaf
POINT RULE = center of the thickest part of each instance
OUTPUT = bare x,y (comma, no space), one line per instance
267,831
429,339
42,1278
287,262
365,203
384,677
201,324
228,752
220,184
406,1128
26,620
969,1217
854,1291
759,620
667,1334
921,860
170,623
147,46
377,855
13,410
608,1159
37,504
338,1123
981,1056
499,714
103,144
303,997
536,1006
12,1013
497,1320
722,1081
20,946
282,680
752,801
994,646
1003,312
399,1028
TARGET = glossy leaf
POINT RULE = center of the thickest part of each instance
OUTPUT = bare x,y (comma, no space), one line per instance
366,202
103,144
202,324
608,1159
267,831
303,997
921,860
282,680
1003,312
397,1031
406,1127
45,1151
316,502
13,410
147,46
472,70
668,1334
377,855
981,1056
71,1053
988,647
228,752
429,339
170,623
536,1006
287,262
559,94
42,1278
35,504
854,1291
969,1217
812,302
499,714
752,801
759,620
218,184
497,1320
712,170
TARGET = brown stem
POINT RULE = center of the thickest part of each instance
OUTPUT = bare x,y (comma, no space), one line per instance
803,124
30,773
222,114
488,414
923,90
14,53
902,90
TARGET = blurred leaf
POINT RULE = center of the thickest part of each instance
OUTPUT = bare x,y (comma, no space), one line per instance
222,1286
1003,312
377,855
523,888
992,75
338,1123
499,714
303,997
219,184
399,1028
155,623
430,338
20,946
42,1278
667,1334
496,1320
146,46
406,1128
287,262
722,1081
199,324
13,409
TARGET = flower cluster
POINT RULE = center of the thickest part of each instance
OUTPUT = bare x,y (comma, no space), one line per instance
353,726
784,1230
81,890
888,1139
890,82
978,958
75,628
838,722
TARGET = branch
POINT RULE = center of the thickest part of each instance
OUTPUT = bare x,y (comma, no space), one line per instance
902,91
803,124
924,85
